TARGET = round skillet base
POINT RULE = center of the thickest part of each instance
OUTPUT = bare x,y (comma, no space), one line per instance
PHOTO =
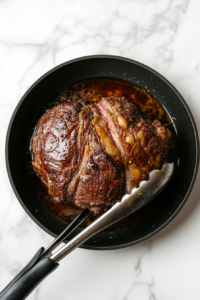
24,118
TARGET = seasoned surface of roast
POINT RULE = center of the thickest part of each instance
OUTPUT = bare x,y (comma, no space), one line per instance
90,155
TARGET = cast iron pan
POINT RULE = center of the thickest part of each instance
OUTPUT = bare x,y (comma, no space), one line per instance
186,158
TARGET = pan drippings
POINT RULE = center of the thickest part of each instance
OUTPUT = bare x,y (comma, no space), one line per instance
90,92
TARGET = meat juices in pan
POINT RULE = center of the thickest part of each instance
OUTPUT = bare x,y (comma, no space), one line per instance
89,154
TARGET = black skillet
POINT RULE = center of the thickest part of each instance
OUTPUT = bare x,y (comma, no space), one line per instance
186,158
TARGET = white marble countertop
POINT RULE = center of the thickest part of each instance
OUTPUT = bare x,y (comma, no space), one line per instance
38,35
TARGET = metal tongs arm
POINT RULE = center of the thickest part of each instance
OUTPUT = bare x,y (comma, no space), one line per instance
129,204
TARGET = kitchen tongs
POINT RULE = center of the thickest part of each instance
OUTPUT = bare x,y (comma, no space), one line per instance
44,262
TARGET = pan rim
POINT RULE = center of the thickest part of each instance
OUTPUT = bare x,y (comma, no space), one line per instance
171,87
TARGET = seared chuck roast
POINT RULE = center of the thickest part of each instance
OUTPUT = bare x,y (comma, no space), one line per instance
91,155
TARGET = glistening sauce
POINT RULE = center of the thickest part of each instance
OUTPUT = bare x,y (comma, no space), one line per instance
91,91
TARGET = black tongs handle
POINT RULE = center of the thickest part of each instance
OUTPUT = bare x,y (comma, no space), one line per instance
28,279
39,266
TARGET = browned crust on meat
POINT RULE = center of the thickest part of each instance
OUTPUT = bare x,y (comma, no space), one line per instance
89,156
